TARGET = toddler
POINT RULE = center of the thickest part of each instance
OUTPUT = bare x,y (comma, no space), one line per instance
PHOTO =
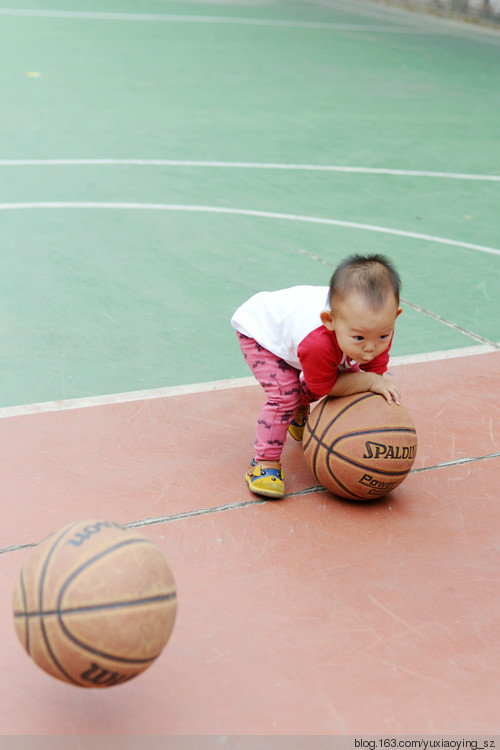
307,342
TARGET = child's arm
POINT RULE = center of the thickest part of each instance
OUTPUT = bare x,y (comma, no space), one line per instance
348,383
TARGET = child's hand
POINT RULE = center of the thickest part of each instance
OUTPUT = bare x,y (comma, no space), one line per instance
386,389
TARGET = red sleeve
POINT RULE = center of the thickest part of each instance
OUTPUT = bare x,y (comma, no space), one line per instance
320,357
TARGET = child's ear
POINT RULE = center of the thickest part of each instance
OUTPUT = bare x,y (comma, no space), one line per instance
327,320
400,310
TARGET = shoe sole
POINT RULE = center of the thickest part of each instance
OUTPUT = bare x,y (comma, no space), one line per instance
264,493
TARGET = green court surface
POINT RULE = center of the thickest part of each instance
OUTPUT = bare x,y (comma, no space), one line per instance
162,161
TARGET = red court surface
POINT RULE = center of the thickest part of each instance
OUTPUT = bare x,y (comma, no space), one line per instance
309,616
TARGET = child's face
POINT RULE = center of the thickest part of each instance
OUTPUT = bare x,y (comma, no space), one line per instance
363,332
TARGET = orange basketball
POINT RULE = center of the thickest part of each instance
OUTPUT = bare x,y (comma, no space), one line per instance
359,447
94,604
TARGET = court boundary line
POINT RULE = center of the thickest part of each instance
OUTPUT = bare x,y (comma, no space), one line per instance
393,19
225,211
112,399
277,166
315,489
403,27
400,22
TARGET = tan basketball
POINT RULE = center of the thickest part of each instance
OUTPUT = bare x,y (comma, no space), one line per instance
94,604
359,447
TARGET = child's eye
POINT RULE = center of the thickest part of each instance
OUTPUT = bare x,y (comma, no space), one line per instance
359,338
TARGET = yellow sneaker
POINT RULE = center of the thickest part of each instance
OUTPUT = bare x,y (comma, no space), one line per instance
266,478
296,427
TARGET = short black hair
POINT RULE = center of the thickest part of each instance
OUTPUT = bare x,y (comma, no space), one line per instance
373,276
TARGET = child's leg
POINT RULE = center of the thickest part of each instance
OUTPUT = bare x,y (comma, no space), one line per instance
298,423
281,383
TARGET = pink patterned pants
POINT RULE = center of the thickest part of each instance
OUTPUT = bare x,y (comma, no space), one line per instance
285,392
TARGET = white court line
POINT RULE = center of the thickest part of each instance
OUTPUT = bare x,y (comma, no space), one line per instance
245,165
408,25
215,385
233,20
247,212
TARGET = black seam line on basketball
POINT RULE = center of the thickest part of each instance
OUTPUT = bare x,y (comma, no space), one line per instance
325,429
371,431
308,426
342,486
352,462
91,560
422,310
310,431
105,654
110,656
97,652
63,536
89,608
357,400
386,472
27,640
40,603
99,556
